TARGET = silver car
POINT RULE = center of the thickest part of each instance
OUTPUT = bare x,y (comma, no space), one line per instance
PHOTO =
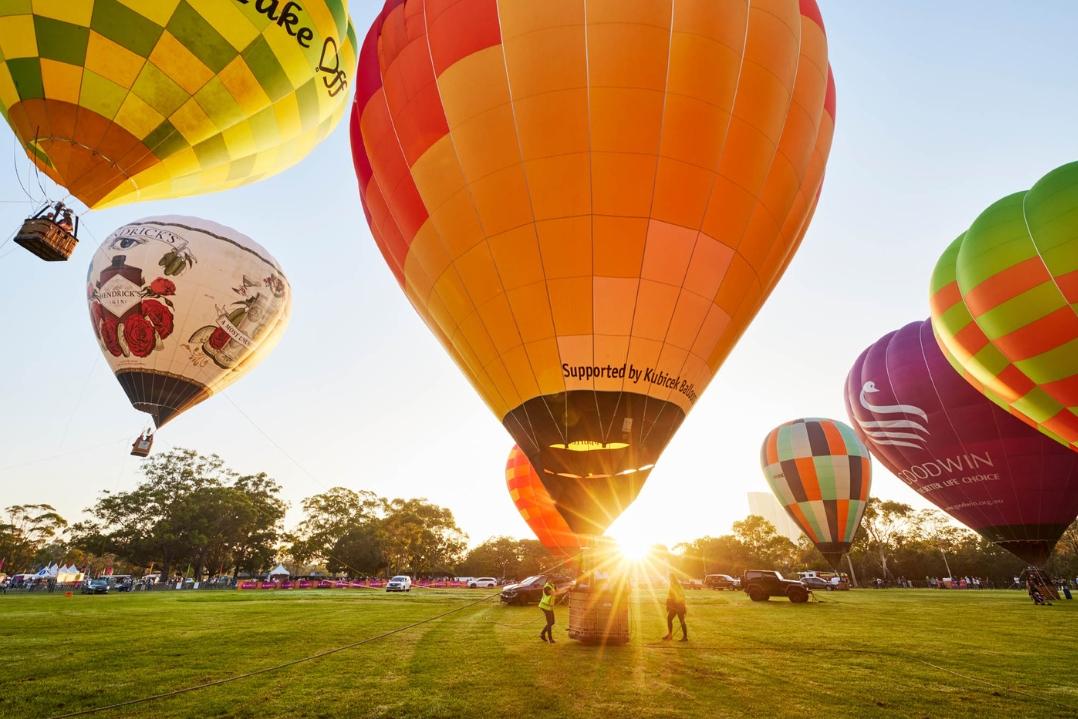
400,583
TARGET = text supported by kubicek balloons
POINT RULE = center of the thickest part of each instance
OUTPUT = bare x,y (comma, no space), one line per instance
631,373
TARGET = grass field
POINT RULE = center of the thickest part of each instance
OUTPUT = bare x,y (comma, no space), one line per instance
853,654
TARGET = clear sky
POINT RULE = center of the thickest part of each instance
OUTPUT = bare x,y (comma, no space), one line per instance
942,109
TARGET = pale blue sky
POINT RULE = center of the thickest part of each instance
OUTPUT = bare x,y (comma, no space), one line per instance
942,108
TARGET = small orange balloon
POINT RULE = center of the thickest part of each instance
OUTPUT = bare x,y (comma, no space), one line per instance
537,507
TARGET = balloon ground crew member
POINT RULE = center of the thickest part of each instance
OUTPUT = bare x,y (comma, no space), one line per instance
675,607
546,603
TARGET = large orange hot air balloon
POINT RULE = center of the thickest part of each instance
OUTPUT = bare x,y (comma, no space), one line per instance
536,505
588,202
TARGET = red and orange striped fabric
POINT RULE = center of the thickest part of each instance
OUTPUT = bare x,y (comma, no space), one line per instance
537,507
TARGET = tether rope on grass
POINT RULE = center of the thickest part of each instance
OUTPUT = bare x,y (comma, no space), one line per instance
276,667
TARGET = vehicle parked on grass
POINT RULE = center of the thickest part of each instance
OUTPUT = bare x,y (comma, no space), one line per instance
482,583
399,583
834,580
121,582
530,590
762,584
722,581
815,583
96,586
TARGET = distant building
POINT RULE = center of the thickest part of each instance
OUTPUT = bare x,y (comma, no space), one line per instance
765,505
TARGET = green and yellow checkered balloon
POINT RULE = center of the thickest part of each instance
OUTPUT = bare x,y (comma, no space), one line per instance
128,100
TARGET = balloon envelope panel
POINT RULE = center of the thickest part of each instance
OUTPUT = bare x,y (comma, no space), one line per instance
589,202
1005,304
821,473
183,307
121,101
536,505
960,451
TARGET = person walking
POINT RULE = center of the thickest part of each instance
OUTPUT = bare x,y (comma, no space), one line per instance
546,603
675,607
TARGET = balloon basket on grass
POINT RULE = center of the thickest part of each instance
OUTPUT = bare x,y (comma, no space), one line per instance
599,603
599,617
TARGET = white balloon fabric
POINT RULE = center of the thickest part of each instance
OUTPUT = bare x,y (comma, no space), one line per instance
183,307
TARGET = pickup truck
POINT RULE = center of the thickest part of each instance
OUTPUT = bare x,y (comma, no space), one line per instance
762,584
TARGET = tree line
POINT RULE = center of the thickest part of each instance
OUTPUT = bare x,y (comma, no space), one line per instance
895,541
193,515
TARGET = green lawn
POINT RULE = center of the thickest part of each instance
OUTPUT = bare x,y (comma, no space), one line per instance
852,654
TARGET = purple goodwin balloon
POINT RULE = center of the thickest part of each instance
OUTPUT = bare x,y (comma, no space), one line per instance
932,429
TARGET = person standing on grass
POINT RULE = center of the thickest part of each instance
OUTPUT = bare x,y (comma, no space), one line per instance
675,607
546,604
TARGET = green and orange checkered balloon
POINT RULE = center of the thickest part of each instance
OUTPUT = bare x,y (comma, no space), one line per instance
1005,304
127,100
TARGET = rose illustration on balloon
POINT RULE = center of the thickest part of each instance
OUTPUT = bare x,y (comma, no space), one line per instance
108,329
159,316
97,314
162,287
139,335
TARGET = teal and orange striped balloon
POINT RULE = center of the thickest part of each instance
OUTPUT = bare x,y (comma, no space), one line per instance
820,472
1005,304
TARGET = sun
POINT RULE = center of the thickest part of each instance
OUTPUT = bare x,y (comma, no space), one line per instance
634,548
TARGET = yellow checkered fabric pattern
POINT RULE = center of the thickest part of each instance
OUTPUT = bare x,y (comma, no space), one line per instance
127,100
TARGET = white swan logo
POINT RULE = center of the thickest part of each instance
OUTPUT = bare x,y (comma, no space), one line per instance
907,432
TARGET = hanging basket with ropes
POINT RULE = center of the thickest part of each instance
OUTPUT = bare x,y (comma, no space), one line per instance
50,237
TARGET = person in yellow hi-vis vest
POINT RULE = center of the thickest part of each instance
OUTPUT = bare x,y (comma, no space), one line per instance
546,603
675,607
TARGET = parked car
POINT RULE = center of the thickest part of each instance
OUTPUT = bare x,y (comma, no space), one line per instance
835,581
95,586
399,583
531,589
122,582
815,583
482,583
722,581
762,584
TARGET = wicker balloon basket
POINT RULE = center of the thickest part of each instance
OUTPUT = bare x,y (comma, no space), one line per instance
599,617
46,239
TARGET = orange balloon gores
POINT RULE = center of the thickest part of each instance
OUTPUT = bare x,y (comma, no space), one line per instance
537,507
588,202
